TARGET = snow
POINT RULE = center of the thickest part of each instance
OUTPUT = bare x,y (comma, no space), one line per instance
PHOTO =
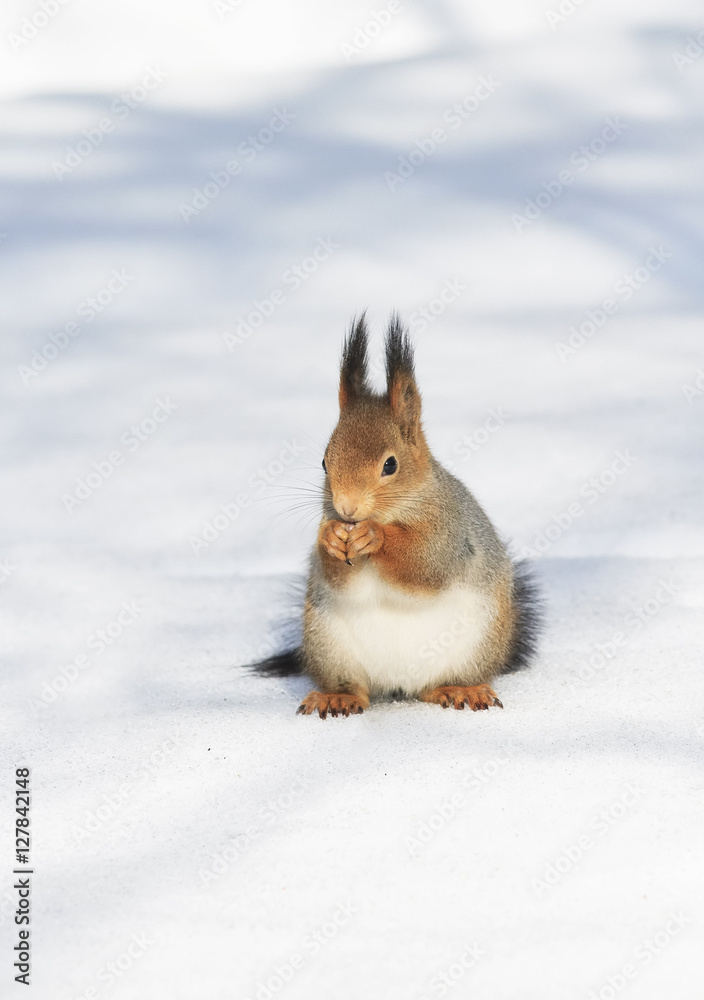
188,829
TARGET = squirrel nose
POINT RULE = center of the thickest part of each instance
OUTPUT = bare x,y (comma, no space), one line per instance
346,507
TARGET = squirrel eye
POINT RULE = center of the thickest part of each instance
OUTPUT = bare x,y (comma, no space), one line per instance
390,466
325,468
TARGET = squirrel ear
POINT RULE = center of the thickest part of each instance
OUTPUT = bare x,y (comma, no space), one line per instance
404,398
353,370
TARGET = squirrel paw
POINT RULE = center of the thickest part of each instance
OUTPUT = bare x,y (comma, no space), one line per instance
336,704
333,538
478,698
364,539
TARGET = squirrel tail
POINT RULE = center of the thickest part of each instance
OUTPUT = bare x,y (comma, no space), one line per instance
284,664
529,618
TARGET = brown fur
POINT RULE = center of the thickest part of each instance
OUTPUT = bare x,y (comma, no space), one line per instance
366,435
400,561
479,697
495,648
396,551
336,704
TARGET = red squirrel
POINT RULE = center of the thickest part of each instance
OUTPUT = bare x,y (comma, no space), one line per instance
410,589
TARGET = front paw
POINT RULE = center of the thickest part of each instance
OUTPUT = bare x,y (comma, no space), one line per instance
333,538
364,539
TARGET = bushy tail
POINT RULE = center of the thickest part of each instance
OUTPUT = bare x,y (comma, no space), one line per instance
281,665
529,620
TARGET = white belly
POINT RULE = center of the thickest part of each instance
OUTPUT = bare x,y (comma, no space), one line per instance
394,641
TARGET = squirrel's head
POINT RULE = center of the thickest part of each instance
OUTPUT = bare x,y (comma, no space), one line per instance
377,456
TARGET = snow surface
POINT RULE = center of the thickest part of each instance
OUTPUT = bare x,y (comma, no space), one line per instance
180,808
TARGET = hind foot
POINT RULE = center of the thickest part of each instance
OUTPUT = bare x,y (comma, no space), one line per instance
478,698
335,704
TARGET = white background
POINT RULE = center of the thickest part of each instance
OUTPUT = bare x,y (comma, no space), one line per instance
178,799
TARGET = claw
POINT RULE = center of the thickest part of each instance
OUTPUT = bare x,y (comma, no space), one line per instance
479,697
335,704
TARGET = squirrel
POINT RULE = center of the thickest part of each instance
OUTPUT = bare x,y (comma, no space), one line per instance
410,589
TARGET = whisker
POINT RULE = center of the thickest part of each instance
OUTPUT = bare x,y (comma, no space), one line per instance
295,485
299,497
284,516
299,505
318,445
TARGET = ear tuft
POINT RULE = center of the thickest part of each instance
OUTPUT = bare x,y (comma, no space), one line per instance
355,362
399,350
402,390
